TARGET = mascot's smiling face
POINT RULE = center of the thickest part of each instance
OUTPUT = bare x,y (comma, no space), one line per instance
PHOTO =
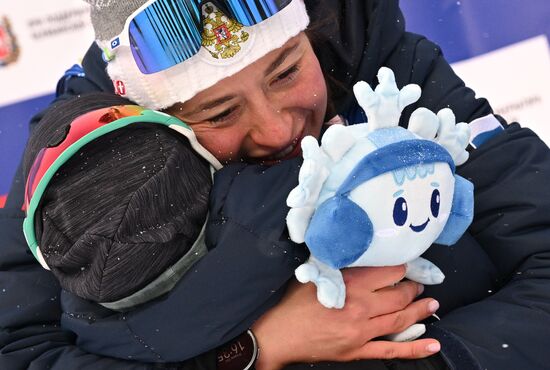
408,212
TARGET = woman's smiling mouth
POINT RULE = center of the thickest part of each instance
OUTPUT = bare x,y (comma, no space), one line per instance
293,150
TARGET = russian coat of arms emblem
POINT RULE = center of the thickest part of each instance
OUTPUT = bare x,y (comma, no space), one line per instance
222,36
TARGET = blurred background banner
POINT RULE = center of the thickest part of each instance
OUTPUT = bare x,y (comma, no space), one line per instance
39,40
499,47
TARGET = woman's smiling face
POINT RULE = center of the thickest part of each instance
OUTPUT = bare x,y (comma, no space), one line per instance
261,113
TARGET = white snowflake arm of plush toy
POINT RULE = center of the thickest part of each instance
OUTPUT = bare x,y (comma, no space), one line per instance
443,129
411,333
302,198
339,139
383,106
424,272
317,165
453,136
331,290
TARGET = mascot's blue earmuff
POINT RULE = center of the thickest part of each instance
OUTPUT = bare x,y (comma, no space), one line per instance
340,231
462,212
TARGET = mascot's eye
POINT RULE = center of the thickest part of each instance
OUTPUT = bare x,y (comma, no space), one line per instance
436,200
400,211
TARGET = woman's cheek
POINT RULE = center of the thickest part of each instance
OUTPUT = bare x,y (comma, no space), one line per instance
315,98
314,89
223,144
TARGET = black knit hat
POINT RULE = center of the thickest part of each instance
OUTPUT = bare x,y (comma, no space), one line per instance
121,212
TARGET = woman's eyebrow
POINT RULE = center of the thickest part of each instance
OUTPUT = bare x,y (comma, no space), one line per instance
211,104
281,58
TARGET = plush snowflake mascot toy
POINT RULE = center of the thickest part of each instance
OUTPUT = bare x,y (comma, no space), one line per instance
376,194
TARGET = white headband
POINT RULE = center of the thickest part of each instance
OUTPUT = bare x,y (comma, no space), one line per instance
183,81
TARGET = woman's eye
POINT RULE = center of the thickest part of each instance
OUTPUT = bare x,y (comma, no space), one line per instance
287,75
223,116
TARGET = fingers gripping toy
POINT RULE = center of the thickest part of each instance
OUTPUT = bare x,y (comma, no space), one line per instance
376,194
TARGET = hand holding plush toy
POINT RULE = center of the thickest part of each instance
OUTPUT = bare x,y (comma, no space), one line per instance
376,194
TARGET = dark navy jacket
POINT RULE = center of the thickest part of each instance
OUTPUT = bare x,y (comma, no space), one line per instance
495,300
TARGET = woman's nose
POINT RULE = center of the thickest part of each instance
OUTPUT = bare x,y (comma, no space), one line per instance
273,126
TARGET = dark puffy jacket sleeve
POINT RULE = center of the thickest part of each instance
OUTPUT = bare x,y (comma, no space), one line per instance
510,173
30,334
244,273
